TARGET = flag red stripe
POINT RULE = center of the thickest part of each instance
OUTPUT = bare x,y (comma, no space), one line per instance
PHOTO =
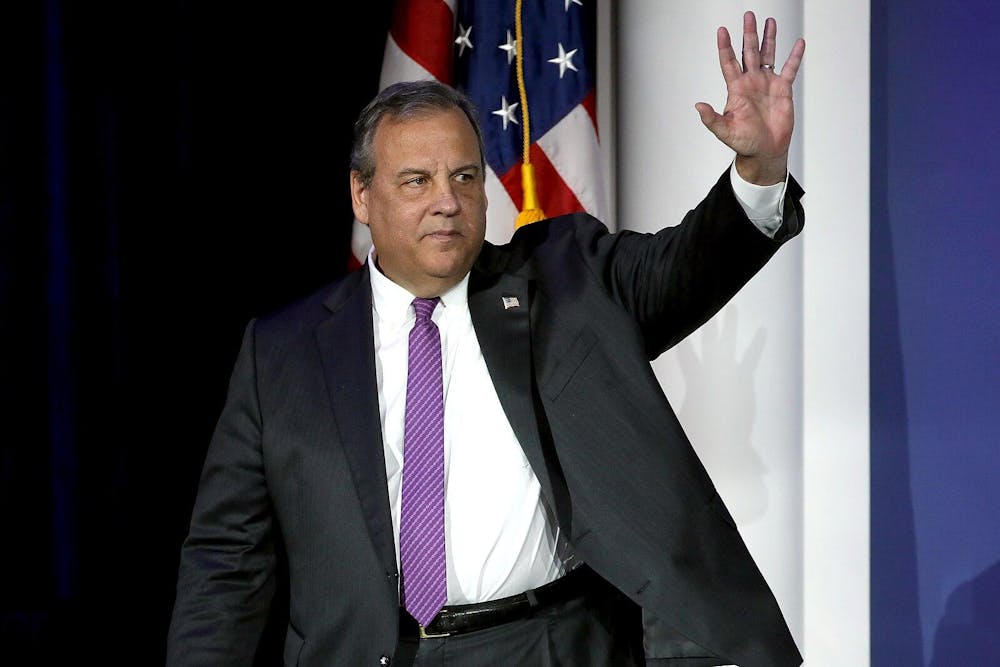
590,104
554,196
424,32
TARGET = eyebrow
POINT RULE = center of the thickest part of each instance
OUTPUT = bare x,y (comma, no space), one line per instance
414,171
411,171
472,166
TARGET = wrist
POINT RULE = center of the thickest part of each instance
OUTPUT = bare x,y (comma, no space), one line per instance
762,171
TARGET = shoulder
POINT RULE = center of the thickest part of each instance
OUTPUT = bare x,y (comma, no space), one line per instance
305,313
554,231
552,238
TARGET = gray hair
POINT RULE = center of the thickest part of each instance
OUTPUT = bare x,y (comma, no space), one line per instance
407,99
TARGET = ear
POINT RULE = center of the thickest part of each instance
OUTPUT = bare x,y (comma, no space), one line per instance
359,198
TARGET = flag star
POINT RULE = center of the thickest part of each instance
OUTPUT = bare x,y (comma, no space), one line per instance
510,46
573,2
463,38
564,60
506,111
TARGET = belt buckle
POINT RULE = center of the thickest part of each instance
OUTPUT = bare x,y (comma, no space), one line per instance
422,631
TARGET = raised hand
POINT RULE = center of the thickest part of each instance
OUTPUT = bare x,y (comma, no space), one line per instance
759,115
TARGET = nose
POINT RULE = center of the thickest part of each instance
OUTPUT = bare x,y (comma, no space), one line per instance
446,202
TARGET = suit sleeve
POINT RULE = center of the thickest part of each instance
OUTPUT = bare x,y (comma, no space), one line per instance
226,575
673,281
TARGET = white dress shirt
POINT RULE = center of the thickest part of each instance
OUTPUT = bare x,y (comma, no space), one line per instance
500,538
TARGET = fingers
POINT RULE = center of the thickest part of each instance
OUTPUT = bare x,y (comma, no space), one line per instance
756,54
727,57
770,39
751,46
791,66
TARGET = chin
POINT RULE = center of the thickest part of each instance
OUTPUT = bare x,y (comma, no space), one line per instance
455,273
448,265
451,272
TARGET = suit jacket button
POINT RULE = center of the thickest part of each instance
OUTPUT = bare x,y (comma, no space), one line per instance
384,661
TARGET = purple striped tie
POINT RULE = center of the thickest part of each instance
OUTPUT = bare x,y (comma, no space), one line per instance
421,529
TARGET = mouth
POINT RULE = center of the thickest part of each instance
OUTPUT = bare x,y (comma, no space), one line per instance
444,235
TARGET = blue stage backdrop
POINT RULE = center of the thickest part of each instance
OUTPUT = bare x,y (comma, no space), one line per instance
935,334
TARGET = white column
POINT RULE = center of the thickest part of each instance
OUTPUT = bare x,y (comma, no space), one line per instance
836,289
737,382
774,390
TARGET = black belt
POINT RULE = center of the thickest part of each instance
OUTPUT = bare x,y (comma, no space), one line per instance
462,618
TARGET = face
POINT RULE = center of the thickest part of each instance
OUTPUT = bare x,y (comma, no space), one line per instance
426,203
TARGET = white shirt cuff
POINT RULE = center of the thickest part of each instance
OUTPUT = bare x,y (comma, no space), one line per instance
761,203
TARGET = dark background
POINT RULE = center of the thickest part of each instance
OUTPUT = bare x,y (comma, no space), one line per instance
168,169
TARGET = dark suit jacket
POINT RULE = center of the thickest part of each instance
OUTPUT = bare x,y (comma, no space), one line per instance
296,463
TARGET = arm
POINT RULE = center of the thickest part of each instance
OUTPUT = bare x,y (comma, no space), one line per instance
673,281
226,579
673,284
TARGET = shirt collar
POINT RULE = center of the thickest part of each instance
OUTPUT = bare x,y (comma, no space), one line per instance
393,302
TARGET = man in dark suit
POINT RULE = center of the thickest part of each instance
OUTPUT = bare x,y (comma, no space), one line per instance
549,499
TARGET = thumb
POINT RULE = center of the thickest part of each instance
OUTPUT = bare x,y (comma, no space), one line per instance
710,119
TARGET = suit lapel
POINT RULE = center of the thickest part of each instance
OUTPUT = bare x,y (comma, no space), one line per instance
347,348
500,305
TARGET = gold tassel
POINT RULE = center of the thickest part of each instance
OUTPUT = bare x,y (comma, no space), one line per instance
530,210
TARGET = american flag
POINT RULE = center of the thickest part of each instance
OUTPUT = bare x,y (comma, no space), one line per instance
474,46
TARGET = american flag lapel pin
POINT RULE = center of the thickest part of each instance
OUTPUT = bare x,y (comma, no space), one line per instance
510,302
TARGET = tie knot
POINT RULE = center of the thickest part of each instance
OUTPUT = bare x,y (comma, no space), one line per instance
424,307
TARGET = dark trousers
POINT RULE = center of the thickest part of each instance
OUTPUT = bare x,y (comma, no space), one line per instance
602,628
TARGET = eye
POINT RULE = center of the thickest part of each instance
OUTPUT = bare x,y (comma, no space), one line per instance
417,181
465,177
